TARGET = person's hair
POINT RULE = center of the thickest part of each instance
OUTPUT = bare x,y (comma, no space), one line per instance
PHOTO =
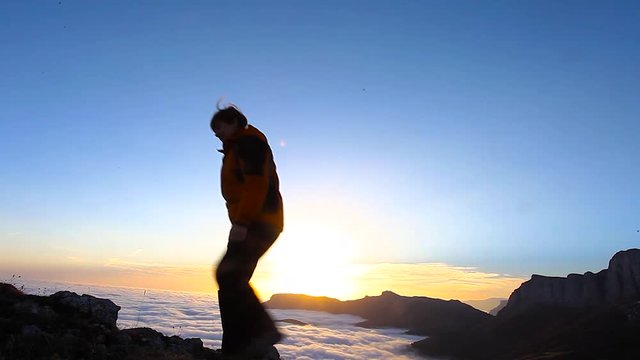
229,114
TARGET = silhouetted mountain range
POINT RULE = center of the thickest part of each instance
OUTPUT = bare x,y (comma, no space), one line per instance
588,316
421,315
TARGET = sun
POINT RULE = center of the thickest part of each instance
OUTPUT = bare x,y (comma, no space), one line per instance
312,259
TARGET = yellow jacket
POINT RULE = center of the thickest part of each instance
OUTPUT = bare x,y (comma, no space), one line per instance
249,181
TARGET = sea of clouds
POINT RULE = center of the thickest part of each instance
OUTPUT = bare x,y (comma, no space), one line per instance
326,336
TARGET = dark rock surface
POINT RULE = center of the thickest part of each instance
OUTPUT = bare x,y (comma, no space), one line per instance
66,325
102,311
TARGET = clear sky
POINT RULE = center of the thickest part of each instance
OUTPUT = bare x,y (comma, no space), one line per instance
491,139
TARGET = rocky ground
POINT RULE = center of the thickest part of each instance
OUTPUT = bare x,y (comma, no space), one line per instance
66,325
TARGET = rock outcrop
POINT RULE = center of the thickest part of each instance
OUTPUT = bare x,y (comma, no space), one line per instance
102,311
66,325
618,284
623,277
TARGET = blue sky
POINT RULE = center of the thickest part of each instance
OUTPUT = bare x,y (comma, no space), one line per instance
500,135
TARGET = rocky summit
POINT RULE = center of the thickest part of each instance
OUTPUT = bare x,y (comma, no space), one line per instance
66,325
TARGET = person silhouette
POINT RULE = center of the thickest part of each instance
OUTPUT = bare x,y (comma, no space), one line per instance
251,190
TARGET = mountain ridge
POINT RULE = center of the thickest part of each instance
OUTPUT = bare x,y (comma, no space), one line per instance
421,315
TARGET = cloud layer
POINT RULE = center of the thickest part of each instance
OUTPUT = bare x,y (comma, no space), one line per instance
326,336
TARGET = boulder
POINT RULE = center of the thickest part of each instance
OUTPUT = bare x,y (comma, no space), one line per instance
103,311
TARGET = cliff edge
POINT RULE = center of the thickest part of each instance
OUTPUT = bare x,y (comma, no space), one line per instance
618,284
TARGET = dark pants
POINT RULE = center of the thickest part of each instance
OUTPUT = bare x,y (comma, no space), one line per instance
243,316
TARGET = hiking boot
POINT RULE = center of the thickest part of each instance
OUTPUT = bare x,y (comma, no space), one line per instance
272,354
262,347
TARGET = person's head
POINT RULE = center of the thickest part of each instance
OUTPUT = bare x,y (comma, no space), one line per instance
227,121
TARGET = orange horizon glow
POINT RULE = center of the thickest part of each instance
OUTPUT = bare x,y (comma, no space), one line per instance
342,281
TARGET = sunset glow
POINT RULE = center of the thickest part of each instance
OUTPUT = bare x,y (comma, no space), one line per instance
311,258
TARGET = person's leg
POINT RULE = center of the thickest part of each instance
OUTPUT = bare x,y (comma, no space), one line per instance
243,317
262,329
233,287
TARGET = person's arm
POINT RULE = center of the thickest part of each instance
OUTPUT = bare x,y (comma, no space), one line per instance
253,155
